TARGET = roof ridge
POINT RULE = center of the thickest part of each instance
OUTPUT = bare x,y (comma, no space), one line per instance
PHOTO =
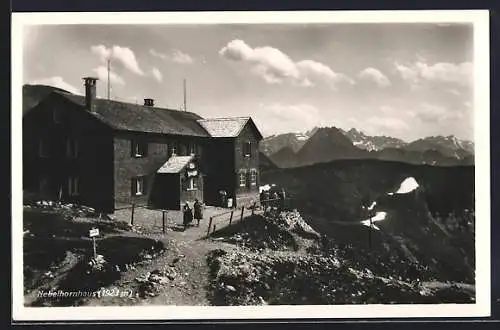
224,118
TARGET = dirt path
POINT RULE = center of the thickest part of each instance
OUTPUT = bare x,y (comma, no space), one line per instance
189,287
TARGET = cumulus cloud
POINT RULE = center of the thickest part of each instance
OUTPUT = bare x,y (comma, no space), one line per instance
102,74
124,55
442,72
281,118
387,124
275,67
372,74
436,114
157,74
58,82
176,56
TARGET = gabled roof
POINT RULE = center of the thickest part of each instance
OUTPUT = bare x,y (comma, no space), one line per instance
226,127
175,164
139,118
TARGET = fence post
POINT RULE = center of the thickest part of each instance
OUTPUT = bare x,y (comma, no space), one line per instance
163,220
253,207
242,210
231,217
132,214
209,225
213,231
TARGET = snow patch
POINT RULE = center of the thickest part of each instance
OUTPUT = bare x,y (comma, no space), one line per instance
379,216
372,206
264,188
407,186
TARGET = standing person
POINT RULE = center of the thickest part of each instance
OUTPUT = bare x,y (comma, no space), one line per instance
187,215
198,211
223,198
275,199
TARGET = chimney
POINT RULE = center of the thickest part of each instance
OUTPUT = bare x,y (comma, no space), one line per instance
90,92
149,102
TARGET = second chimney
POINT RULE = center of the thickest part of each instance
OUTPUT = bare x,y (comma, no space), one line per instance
149,102
90,92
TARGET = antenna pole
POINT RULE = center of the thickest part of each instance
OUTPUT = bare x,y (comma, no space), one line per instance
109,84
185,108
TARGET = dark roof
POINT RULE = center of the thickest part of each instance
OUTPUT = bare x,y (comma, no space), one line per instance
139,118
175,164
33,94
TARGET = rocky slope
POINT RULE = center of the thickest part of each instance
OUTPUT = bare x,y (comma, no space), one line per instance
372,143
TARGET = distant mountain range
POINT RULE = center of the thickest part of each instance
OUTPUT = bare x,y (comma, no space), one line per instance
330,143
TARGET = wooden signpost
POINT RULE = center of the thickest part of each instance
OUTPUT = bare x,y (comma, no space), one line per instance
93,233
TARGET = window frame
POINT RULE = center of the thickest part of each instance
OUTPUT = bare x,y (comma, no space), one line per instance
192,184
192,148
72,148
139,186
247,149
253,177
42,149
139,149
56,116
242,178
73,185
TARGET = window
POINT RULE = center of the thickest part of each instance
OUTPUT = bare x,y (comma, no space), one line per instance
182,149
192,184
192,148
253,177
72,148
138,186
56,116
247,149
173,149
243,178
43,149
139,149
73,186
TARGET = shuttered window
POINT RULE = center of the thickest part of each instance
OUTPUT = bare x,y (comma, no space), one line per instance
253,177
243,178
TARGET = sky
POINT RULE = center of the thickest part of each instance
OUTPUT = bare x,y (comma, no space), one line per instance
403,80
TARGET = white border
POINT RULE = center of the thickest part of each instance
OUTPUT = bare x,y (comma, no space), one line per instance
480,20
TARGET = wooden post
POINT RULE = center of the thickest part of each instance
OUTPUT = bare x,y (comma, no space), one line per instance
242,210
209,225
253,207
132,215
213,231
370,232
93,245
231,217
163,220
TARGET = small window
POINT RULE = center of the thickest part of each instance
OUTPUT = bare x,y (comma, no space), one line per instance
173,149
192,184
138,188
243,179
253,177
247,149
43,151
182,149
73,186
139,149
192,148
72,148
56,116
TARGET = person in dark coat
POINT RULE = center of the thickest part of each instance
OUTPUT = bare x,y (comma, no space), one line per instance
198,211
188,215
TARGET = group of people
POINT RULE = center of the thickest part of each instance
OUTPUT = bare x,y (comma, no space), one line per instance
275,199
196,213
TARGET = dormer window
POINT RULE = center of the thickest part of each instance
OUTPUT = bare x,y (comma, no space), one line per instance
247,149
56,116
139,149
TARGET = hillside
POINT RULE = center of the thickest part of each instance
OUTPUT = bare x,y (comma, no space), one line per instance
32,94
284,158
432,226
265,163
